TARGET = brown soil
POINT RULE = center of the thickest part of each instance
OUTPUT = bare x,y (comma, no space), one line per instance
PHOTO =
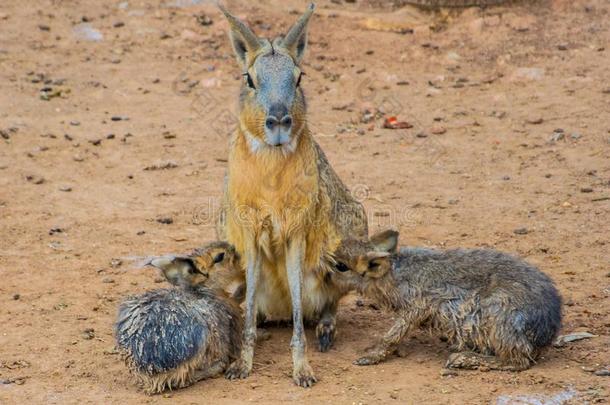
511,130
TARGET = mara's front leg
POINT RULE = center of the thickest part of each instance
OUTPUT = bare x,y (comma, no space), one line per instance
242,367
390,340
326,329
302,373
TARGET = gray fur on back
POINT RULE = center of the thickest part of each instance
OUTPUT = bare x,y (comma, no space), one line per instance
163,329
485,285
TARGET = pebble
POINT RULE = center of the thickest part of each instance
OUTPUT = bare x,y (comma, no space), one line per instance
586,190
438,130
367,116
43,27
118,24
95,142
119,118
604,372
88,334
16,297
75,123
575,135
55,230
521,231
562,47
35,179
65,189
534,120
87,32
165,220
557,136
107,280
204,20
114,263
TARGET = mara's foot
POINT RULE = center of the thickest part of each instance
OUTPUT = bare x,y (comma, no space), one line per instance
237,370
369,359
477,361
304,377
325,332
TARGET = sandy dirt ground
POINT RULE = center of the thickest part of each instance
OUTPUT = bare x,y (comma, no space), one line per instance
115,119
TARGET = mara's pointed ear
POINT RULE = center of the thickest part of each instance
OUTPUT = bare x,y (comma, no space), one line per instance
385,241
245,42
176,269
295,40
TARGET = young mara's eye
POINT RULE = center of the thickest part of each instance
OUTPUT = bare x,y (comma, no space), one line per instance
219,257
249,80
191,270
342,267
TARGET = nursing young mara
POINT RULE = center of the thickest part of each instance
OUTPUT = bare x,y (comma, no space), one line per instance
284,208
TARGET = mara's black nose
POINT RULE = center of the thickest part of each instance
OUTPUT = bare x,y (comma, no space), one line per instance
278,117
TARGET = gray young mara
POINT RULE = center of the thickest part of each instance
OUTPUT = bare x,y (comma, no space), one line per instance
497,310
173,337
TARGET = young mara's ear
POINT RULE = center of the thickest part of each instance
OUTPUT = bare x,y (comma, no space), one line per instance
386,241
175,269
295,41
244,41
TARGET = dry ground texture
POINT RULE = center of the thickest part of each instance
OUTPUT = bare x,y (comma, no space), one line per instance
115,118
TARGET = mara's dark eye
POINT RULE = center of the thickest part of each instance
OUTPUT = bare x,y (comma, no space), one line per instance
191,270
299,79
342,267
249,80
219,257
373,265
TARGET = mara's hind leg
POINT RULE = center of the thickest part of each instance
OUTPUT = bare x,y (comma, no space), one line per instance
326,330
475,361
213,370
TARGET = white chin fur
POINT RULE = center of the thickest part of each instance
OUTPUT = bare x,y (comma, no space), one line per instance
256,145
